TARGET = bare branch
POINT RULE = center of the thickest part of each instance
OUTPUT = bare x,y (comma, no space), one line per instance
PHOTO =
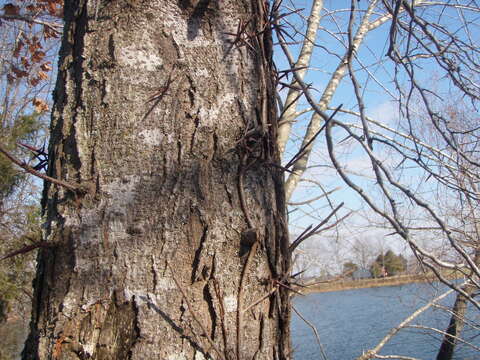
29,169
315,332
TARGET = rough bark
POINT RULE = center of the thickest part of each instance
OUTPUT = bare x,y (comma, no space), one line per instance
170,130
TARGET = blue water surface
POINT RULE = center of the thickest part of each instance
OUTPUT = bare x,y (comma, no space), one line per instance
352,321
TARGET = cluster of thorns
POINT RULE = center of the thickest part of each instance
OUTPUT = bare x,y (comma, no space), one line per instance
39,154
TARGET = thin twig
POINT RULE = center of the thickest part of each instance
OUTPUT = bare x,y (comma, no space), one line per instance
303,149
450,336
314,329
315,198
398,357
306,234
261,299
30,19
27,248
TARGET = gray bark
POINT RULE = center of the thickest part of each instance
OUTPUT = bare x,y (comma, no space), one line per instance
178,204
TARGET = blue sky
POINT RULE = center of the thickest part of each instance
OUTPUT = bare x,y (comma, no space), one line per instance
381,103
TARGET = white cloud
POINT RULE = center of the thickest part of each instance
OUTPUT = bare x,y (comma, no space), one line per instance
386,113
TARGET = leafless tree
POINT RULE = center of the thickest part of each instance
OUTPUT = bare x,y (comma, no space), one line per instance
401,168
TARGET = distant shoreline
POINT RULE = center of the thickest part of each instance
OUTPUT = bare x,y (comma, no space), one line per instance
344,284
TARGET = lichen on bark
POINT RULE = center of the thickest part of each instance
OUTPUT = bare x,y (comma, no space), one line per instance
152,105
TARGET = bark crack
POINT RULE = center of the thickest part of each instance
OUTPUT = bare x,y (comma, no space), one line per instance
198,255
196,121
136,328
207,296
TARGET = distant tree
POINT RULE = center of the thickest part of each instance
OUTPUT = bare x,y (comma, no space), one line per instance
376,270
364,251
349,268
388,264
395,264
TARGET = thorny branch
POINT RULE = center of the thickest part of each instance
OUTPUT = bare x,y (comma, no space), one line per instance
309,231
240,312
29,169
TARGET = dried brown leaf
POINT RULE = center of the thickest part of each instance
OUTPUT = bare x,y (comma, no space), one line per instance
11,9
38,56
19,73
42,75
52,8
40,105
46,66
34,81
25,62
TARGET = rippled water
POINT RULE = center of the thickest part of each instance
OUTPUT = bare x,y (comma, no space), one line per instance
355,320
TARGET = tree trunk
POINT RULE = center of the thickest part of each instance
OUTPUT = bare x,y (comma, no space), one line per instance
168,124
455,327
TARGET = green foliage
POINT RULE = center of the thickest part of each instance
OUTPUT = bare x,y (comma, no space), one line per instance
388,264
23,129
16,276
9,177
22,220
8,291
376,270
16,272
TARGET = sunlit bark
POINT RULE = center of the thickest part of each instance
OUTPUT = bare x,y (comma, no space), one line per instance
178,223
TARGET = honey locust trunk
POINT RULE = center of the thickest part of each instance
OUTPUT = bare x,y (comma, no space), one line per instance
164,115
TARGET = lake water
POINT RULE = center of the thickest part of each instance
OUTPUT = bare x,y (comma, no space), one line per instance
355,320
